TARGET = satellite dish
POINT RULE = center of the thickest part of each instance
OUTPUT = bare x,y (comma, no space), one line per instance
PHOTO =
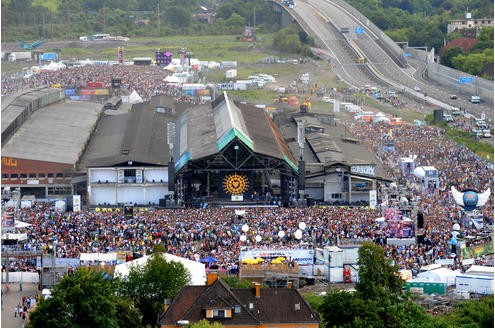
245,228
404,201
281,234
258,238
393,186
302,225
243,238
298,234
456,227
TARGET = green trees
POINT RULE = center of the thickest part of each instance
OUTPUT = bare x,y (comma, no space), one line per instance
378,300
378,278
471,313
150,284
90,298
85,299
205,324
291,40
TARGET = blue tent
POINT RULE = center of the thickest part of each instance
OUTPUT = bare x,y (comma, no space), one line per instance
208,259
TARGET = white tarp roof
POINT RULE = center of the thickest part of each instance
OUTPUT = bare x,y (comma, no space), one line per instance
196,269
172,79
135,98
20,224
16,236
420,171
103,257
441,275
53,66
481,269
170,67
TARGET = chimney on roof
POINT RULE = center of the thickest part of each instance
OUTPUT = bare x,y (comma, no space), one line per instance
257,292
166,304
211,277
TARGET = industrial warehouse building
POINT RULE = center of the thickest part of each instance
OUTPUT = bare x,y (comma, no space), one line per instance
224,152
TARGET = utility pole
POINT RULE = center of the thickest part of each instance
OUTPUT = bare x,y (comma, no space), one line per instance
158,17
254,19
104,19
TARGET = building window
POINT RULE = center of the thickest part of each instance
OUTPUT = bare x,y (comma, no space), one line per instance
59,191
14,176
218,313
130,176
50,175
336,196
237,309
41,175
5,176
32,175
60,175
23,176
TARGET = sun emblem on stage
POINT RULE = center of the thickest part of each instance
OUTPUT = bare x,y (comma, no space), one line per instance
235,184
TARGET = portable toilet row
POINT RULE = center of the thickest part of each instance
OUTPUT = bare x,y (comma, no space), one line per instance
423,286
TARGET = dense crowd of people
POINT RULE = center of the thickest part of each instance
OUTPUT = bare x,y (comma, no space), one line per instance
147,81
196,233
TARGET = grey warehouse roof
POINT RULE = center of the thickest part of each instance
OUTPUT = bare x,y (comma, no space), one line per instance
139,136
55,133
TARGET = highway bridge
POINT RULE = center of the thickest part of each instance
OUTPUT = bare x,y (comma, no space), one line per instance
362,54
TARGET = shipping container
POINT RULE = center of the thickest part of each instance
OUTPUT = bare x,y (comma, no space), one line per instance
475,284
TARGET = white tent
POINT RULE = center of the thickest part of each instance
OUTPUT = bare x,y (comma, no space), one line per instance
53,66
135,98
86,62
20,224
481,270
441,275
16,236
172,79
196,269
420,171
170,67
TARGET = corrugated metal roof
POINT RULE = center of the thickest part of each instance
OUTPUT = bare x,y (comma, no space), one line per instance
55,133
139,136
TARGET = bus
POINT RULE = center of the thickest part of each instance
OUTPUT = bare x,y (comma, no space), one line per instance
113,103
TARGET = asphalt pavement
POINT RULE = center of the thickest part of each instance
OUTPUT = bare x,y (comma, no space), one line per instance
11,297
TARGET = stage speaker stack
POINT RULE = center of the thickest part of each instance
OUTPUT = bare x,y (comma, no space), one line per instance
420,220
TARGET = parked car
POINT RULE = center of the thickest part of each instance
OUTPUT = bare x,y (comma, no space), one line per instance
480,123
455,111
453,97
448,118
416,88
486,133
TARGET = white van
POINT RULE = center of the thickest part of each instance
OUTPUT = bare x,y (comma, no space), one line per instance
475,99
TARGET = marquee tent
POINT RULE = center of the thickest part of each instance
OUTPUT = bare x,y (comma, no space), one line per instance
440,275
197,270
135,98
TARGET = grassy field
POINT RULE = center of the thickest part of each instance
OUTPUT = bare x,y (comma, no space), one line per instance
249,58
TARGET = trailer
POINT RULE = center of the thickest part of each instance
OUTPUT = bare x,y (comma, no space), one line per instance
332,261
477,284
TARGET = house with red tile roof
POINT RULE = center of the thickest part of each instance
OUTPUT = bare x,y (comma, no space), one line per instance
239,307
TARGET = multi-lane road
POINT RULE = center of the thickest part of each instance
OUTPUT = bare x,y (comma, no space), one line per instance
343,39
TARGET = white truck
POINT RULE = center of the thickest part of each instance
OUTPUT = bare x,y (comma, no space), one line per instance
475,99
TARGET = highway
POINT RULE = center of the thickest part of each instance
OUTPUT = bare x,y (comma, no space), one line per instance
325,20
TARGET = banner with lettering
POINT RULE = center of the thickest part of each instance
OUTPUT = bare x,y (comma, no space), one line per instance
300,256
